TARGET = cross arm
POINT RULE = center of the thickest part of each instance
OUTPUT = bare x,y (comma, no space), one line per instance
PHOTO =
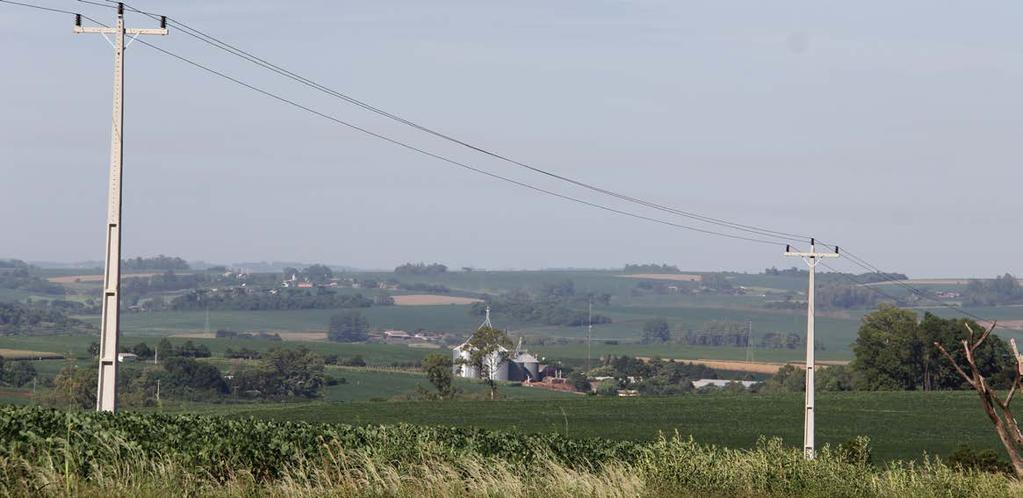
812,254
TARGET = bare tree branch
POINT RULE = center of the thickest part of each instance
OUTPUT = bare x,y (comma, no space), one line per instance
954,364
985,335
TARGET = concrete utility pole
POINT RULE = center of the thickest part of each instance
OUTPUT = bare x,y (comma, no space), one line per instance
106,394
811,258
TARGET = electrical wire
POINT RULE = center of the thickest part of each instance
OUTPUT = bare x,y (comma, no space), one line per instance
433,155
222,45
284,72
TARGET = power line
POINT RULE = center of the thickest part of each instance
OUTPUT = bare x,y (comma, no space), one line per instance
438,156
248,56
284,72
40,7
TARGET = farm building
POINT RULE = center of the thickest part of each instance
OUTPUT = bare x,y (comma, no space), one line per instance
722,383
502,364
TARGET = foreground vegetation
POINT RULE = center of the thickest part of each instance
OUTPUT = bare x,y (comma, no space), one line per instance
54,453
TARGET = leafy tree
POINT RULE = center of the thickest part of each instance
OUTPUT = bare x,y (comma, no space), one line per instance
895,351
19,374
164,349
579,382
191,374
317,274
984,460
789,378
142,350
93,349
1000,290
656,330
607,387
487,350
421,269
284,373
438,371
834,378
160,262
651,268
75,387
888,350
349,326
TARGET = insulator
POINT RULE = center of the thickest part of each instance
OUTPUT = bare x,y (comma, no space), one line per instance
163,22
120,9
78,20
836,249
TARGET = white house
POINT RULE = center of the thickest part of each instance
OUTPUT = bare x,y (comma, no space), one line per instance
127,357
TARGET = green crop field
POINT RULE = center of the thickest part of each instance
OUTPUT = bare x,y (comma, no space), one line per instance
378,385
901,425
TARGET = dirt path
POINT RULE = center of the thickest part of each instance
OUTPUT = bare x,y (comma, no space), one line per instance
431,300
22,354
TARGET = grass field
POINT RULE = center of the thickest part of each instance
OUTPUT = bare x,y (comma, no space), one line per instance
377,385
901,425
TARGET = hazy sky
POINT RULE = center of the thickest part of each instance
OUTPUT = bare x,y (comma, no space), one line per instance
892,128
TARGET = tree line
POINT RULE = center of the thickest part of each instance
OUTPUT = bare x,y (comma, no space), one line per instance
26,319
240,298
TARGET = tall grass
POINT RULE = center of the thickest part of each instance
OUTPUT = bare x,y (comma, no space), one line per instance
95,460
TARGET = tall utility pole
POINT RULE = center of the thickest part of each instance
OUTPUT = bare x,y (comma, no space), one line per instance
106,394
811,258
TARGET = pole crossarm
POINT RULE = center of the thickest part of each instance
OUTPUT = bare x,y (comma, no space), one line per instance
106,393
811,258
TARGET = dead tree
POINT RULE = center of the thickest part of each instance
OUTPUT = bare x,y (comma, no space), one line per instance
997,409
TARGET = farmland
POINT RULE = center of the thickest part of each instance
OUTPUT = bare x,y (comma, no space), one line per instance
901,425
171,455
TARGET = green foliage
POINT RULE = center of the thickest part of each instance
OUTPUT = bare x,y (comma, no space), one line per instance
579,382
651,268
550,309
349,326
283,373
189,374
18,275
438,369
1000,290
984,460
74,387
160,262
718,333
421,269
21,319
317,274
656,330
488,349
243,298
16,373
895,351
789,378
834,378
653,378
230,334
